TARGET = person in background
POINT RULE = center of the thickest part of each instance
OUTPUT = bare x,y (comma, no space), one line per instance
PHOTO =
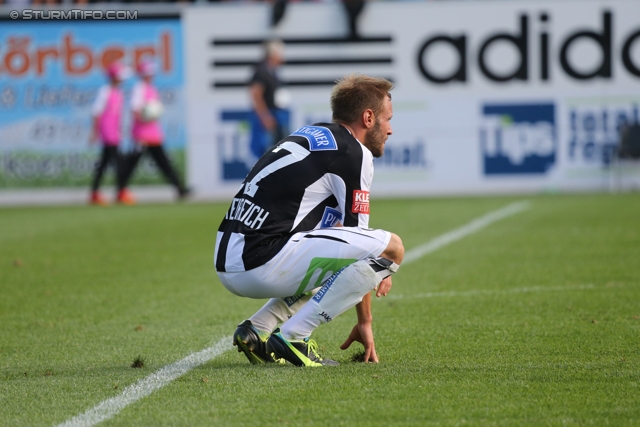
107,114
353,8
147,132
270,120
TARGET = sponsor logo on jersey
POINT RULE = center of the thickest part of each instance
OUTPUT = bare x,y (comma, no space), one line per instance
518,139
247,212
323,290
360,202
292,299
326,316
330,217
320,138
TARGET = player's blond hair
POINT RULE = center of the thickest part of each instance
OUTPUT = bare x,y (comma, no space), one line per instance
355,93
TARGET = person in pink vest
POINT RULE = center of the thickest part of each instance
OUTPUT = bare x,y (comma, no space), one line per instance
107,112
147,132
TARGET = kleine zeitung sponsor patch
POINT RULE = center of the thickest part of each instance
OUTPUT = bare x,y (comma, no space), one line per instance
360,202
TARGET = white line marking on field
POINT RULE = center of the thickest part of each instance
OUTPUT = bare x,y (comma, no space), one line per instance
461,232
475,292
110,407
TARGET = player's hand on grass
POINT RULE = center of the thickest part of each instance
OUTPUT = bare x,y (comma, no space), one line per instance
363,333
384,287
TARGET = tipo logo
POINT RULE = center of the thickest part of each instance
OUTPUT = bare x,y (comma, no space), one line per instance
518,138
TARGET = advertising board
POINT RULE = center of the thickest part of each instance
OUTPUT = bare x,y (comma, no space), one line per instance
50,73
489,96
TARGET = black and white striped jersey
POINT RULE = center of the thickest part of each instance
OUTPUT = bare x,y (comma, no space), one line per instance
314,178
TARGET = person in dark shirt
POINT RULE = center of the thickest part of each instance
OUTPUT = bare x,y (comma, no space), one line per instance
269,99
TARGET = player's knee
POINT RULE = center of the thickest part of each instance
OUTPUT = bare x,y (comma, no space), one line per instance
394,250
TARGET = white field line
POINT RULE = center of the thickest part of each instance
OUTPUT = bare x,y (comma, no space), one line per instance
110,407
461,232
475,292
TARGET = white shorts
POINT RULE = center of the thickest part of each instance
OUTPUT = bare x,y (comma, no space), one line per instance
306,261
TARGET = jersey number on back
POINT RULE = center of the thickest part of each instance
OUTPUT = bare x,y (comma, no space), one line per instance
298,153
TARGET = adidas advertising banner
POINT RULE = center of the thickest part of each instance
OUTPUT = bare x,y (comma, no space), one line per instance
489,96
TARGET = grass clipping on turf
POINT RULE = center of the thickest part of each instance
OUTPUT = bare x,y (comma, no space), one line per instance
138,362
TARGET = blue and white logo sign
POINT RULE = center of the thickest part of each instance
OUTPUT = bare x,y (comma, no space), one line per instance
241,141
320,138
330,217
518,138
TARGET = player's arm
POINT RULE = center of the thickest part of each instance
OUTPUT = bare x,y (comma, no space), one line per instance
362,332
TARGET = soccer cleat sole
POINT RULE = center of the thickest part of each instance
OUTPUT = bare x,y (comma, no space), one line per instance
243,347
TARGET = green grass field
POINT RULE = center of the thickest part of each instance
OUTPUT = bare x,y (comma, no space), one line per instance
534,320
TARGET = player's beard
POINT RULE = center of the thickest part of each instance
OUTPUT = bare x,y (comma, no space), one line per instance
374,140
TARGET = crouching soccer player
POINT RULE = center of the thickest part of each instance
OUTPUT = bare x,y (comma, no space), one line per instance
297,231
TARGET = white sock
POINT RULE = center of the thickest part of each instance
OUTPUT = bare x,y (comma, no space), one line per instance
279,310
342,291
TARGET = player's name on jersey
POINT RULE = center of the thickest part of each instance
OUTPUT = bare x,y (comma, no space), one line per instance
247,212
